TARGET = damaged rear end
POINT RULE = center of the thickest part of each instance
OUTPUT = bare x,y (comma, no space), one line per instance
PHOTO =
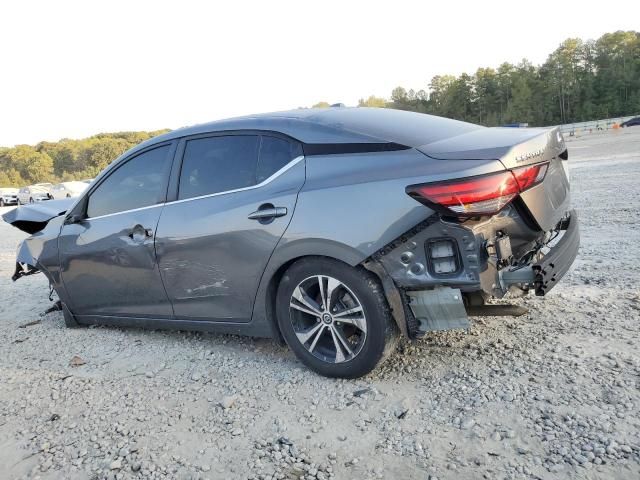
507,232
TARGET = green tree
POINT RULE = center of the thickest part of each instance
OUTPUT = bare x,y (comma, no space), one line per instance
32,165
10,177
373,101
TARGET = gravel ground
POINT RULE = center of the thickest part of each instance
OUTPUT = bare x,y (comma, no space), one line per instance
553,394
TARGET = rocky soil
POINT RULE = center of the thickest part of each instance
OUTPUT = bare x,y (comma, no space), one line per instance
551,395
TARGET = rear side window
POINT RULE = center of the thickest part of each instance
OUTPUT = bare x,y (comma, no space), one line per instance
136,184
275,153
218,164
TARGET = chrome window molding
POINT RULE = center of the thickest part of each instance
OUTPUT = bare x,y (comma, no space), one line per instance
266,181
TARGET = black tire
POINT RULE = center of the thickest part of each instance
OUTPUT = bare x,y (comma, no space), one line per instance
381,332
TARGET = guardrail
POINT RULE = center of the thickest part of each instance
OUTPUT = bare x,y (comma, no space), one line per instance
594,126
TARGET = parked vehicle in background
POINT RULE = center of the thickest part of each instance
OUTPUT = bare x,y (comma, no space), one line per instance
8,196
68,189
632,122
45,185
336,230
34,193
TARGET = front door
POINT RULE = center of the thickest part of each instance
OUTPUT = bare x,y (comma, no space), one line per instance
235,198
108,258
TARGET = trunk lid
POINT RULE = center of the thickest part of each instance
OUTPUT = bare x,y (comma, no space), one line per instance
516,147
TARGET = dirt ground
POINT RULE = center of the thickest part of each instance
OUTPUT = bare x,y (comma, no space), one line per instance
551,395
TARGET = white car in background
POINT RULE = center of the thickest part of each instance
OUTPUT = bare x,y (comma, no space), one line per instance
8,196
68,189
35,193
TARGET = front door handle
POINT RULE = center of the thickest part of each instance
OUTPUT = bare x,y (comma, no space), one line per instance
268,213
140,233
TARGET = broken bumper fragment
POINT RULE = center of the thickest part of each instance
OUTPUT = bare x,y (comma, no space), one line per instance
26,261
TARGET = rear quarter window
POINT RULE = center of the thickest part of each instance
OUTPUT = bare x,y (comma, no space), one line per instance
275,153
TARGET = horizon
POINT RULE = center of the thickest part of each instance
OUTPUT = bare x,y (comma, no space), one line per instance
82,74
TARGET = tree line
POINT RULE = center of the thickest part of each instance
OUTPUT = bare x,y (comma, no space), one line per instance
579,81
65,160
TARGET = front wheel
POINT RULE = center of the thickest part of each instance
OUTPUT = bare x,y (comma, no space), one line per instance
334,317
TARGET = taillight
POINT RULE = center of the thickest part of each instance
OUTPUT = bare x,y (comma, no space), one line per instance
482,195
529,176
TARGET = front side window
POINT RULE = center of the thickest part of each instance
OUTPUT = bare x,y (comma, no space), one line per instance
218,164
136,184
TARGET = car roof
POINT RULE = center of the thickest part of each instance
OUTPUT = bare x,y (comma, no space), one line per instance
337,125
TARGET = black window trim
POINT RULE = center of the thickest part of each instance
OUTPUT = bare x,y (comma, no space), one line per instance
80,208
174,181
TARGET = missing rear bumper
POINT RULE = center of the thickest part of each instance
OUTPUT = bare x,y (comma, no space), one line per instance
550,268
438,309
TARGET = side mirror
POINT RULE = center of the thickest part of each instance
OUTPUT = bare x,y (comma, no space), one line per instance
78,214
73,218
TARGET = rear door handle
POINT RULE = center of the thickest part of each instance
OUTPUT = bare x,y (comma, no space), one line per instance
268,213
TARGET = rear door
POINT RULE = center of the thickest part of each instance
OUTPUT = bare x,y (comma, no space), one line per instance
108,259
234,198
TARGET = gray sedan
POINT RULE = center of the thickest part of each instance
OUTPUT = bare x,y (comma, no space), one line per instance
335,230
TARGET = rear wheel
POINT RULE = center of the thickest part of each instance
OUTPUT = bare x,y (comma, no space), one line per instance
334,317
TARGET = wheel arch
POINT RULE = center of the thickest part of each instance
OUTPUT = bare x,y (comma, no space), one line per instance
264,309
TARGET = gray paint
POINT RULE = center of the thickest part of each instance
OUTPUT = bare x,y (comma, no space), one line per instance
110,273
360,201
211,255
207,265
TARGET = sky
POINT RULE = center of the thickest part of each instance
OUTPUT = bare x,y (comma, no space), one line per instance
74,69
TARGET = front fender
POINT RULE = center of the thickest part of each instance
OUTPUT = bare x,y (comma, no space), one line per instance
39,253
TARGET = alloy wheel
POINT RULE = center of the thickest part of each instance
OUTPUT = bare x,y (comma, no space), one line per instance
328,319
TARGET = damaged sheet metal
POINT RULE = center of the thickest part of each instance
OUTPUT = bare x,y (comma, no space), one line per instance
438,309
39,247
34,217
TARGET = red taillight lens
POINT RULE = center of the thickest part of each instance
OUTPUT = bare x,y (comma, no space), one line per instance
483,195
529,176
